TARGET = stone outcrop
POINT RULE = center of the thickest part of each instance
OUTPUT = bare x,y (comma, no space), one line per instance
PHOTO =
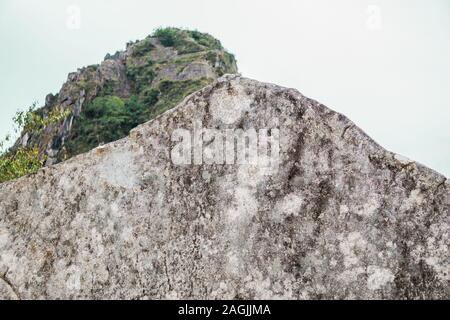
335,216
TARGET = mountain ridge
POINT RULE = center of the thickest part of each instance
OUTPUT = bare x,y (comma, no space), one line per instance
149,77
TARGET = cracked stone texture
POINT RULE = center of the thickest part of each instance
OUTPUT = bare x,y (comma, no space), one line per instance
341,219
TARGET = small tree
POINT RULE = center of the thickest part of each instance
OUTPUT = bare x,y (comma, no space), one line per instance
20,161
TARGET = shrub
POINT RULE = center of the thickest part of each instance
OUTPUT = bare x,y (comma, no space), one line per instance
206,40
20,161
169,37
108,88
142,48
104,106
135,112
150,96
103,120
141,75
33,120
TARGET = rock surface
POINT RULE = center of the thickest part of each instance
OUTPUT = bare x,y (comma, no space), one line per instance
338,218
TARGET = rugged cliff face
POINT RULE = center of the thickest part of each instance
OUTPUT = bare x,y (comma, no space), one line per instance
104,102
316,209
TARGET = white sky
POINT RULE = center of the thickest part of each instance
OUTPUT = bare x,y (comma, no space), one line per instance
383,63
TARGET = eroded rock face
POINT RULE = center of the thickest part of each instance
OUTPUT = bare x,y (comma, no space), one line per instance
338,217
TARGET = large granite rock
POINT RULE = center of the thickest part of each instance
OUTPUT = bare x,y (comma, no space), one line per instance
328,214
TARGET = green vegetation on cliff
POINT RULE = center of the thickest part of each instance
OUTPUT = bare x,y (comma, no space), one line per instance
102,103
108,117
104,119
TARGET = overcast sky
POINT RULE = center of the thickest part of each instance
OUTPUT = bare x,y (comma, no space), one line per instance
383,63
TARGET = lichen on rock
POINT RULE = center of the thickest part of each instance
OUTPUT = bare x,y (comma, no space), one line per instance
338,218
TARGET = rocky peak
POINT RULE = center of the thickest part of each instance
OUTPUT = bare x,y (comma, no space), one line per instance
130,87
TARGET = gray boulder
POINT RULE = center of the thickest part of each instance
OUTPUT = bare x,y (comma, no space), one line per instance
318,211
